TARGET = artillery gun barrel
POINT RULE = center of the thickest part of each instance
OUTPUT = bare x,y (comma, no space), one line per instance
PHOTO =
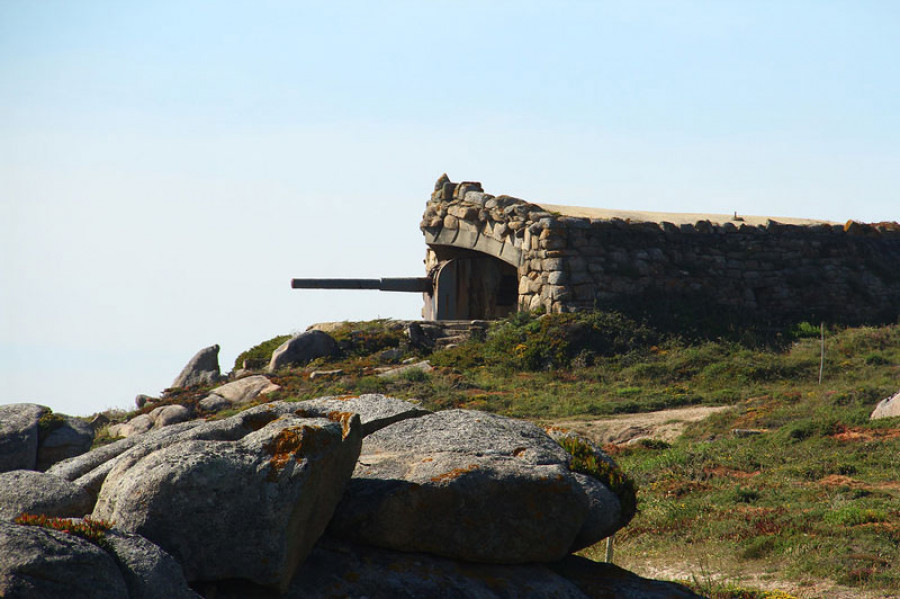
403,284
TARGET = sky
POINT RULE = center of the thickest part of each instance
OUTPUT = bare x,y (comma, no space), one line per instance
167,167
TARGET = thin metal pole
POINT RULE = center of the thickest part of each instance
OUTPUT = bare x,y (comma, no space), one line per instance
822,358
609,548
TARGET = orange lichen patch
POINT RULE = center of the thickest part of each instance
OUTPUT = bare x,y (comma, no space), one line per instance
427,460
453,474
864,434
345,397
729,472
519,451
556,429
344,418
301,413
290,442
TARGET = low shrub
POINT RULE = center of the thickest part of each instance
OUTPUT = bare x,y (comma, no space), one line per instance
88,529
586,461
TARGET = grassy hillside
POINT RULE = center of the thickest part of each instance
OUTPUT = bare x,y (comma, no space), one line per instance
792,482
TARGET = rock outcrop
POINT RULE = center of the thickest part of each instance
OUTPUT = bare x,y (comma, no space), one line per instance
202,369
337,496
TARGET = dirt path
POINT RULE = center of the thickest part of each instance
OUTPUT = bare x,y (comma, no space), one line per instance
666,425
810,589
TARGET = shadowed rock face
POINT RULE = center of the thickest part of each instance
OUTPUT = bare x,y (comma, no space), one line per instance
38,563
73,437
19,436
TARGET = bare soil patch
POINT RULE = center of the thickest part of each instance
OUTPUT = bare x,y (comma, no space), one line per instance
665,425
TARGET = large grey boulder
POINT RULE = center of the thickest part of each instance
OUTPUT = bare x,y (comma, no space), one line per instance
19,435
37,563
465,485
887,408
39,493
248,508
302,349
202,369
148,571
137,425
71,437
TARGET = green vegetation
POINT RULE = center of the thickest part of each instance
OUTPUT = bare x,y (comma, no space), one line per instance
260,355
586,461
47,423
792,481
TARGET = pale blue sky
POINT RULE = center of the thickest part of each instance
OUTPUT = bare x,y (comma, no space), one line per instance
166,167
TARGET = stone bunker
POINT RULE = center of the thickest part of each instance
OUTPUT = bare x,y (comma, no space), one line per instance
489,256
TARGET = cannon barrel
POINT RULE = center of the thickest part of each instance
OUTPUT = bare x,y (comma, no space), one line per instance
405,284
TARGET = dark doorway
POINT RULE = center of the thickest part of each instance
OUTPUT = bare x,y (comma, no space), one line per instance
475,287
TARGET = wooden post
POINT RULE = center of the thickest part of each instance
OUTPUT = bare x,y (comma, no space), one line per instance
609,548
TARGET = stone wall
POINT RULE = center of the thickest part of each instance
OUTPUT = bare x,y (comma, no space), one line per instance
775,273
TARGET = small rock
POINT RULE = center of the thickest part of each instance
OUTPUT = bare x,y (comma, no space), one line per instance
302,349
214,403
326,374
142,400
424,366
246,389
139,424
171,414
